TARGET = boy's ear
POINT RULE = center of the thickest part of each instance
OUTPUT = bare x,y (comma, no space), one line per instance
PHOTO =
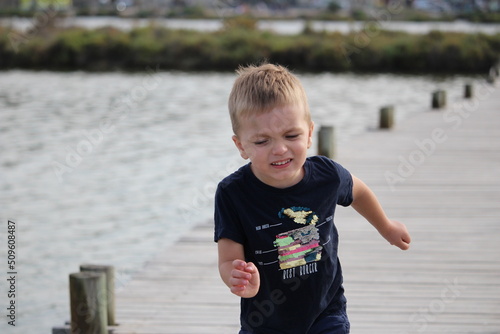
240,148
309,140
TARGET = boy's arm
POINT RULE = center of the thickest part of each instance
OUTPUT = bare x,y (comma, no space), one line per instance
241,277
366,203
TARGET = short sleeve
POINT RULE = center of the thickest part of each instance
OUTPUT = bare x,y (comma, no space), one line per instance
226,218
345,196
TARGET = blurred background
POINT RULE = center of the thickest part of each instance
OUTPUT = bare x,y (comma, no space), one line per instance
113,122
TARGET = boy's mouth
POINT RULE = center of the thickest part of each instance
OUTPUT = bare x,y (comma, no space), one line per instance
281,163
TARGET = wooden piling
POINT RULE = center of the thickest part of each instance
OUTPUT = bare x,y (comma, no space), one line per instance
109,274
492,75
386,117
326,141
438,99
88,303
468,91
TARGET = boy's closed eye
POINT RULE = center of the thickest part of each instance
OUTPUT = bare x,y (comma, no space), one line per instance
261,142
291,137
265,141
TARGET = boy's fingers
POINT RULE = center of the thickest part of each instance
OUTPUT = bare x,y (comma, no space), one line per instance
404,245
237,289
240,274
239,264
407,238
250,268
238,282
243,271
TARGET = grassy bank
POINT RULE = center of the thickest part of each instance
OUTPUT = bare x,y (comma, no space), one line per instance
240,43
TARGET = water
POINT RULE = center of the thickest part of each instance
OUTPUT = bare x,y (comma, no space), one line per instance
110,168
378,21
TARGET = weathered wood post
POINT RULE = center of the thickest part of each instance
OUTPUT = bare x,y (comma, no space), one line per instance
492,75
438,99
468,91
88,303
109,272
386,117
326,141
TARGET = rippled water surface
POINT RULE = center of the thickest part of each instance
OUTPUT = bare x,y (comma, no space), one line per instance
110,168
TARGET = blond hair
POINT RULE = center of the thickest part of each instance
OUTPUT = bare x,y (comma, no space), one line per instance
259,89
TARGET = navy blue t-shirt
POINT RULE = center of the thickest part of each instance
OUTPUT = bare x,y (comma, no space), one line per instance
290,236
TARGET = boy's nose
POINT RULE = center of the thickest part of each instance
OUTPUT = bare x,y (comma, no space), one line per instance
279,148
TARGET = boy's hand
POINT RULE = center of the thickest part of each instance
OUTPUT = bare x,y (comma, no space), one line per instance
366,203
397,234
245,279
241,277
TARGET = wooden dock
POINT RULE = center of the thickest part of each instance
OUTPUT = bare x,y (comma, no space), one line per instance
438,172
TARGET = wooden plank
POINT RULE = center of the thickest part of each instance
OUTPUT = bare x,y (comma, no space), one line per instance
448,282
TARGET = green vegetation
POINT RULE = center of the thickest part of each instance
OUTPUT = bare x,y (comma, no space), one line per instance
239,43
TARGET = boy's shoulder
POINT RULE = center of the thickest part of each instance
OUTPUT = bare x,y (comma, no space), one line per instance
320,159
322,162
325,168
235,177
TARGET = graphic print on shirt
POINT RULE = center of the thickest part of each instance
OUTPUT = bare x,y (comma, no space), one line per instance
299,246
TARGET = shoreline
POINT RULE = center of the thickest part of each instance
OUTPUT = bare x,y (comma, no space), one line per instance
240,41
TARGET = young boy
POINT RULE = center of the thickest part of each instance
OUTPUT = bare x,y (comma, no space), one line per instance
274,217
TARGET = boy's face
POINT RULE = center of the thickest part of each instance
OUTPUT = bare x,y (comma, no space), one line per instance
276,143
